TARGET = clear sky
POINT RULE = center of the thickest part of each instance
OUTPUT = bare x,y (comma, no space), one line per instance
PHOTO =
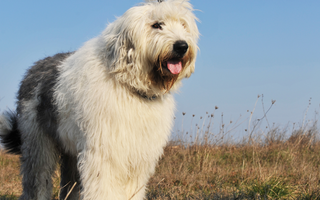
246,48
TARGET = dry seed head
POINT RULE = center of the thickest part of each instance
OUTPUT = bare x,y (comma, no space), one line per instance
183,113
216,107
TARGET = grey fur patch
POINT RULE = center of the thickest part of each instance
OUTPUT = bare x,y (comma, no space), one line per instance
37,125
40,80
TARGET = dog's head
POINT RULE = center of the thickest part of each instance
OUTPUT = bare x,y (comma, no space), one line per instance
153,46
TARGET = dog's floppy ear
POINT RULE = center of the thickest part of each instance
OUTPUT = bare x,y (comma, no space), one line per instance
120,50
119,46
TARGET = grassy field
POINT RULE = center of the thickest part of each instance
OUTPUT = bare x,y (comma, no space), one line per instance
277,169
268,164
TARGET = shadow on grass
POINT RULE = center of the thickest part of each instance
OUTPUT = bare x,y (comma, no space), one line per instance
158,194
13,197
8,197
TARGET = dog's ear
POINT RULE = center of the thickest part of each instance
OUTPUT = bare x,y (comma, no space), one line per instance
122,57
119,46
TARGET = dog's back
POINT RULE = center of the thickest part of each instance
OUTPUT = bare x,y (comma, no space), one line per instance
34,125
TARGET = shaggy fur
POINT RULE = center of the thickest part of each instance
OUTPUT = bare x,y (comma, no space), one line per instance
105,111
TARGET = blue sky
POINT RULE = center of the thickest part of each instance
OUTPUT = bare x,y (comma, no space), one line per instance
246,48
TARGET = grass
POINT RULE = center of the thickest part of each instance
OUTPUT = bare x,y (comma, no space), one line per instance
272,163
10,180
286,169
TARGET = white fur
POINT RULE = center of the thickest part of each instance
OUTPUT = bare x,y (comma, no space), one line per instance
118,135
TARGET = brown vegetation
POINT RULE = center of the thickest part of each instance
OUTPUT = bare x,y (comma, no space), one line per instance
274,169
278,169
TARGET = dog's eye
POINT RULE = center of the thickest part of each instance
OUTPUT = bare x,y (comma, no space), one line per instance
157,26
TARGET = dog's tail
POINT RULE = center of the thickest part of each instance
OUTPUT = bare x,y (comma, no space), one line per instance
10,136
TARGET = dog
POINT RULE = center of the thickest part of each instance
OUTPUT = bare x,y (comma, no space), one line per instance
104,112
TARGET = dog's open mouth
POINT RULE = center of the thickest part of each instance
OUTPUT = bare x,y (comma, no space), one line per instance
173,66
167,73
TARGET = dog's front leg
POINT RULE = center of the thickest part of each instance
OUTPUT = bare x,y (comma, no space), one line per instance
99,178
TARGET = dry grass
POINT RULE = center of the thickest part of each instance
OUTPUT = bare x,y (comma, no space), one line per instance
10,180
272,163
269,163
274,169
277,170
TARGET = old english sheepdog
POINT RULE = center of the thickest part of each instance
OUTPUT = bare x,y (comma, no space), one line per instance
105,111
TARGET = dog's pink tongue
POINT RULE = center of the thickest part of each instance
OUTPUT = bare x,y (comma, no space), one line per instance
174,66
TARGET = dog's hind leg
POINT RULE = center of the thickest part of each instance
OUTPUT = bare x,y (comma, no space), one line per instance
70,180
39,155
38,163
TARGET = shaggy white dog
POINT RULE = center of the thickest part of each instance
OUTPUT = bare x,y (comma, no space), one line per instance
105,111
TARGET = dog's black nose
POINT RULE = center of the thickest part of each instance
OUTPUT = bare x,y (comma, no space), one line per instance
180,47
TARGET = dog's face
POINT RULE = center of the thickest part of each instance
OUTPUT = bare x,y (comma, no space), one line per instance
153,46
